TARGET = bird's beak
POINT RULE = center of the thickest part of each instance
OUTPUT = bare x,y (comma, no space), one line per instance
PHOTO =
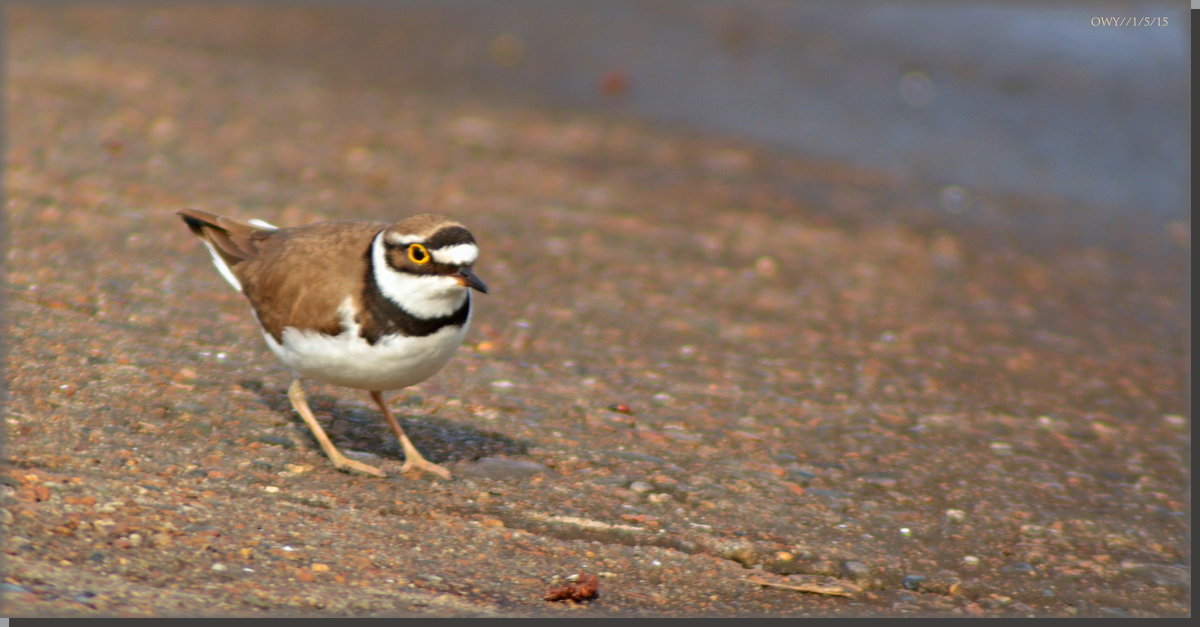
468,279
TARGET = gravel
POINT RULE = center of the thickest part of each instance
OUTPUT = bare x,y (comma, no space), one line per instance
827,404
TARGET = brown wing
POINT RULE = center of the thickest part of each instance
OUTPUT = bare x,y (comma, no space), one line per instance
300,276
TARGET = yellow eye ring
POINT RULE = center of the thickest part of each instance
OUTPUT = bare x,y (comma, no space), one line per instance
418,254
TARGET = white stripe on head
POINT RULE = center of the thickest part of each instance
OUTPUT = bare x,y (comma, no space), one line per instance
402,239
422,295
456,255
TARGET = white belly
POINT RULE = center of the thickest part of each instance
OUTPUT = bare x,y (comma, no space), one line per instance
348,360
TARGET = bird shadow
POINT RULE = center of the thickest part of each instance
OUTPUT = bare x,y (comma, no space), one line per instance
363,428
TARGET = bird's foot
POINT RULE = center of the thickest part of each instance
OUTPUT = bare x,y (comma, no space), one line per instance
420,464
346,464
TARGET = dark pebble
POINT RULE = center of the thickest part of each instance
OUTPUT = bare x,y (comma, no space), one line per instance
1018,567
504,469
912,582
97,557
254,385
190,407
800,476
1021,608
277,440
855,571
1162,575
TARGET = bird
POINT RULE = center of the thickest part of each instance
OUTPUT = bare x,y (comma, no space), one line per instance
359,304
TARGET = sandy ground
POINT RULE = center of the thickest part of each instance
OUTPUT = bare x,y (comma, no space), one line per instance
722,380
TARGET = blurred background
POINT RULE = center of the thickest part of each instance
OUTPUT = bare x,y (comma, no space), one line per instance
1031,116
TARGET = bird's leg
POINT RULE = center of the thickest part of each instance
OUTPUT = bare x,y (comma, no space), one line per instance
341,462
413,460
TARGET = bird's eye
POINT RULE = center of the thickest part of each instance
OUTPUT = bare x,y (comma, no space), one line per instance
418,254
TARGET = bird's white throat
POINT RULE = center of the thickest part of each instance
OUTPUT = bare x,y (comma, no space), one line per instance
424,296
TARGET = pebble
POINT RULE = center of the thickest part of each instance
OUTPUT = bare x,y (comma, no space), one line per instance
855,571
160,540
1018,567
110,507
912,582
277,441
740,551
881,479
641,487
501,469
956,515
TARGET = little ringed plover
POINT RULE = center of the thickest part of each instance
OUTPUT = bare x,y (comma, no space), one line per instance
365,305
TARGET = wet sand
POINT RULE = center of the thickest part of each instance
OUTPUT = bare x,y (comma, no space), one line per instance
723,380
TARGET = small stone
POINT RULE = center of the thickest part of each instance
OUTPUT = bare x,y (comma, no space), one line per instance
219,567
881,479
855,571
955,515
912,582
740,551
640,487
277,441
160,540
500,469
970,560
1022,609
1018,567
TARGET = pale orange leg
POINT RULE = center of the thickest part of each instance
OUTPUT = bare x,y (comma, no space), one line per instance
341,462
413,460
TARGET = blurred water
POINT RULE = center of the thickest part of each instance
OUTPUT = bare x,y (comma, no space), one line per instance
991,96
1027,100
